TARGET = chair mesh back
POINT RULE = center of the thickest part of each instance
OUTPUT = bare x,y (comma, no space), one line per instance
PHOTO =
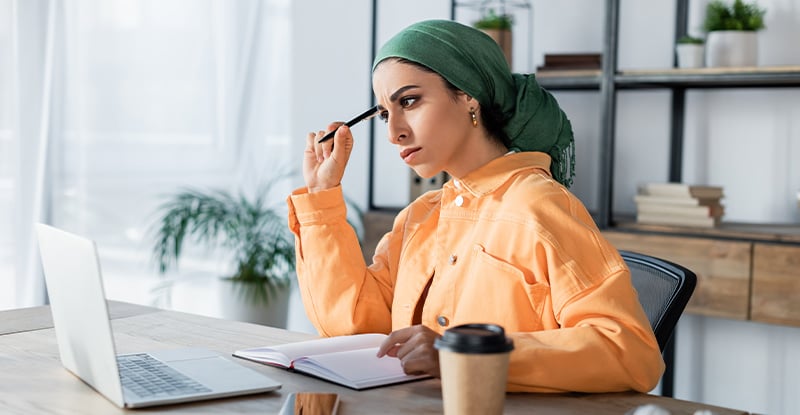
656,289
664,290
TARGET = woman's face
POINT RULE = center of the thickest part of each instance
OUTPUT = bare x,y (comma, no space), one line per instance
430,125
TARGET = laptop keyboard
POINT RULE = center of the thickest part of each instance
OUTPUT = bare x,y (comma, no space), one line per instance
150,378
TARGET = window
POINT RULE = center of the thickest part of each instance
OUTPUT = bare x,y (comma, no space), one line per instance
146,97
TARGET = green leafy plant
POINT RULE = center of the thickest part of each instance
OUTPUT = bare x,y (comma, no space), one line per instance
690,40
253,233
491,20
737,16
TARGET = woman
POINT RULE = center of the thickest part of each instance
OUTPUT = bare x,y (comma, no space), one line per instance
504,242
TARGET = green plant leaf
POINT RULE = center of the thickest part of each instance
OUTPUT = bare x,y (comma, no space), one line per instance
690,40
253,233
491,20
736,16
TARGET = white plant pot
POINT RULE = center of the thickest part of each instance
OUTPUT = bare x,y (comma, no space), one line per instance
233,306
731,48
216,297
690,55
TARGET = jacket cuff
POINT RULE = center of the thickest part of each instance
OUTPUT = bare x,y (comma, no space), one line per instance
315,208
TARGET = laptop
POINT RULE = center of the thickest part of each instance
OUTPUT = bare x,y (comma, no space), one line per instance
86,344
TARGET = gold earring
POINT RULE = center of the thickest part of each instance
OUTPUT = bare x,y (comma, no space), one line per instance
474,117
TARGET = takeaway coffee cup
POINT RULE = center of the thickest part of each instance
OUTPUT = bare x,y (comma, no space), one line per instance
473,361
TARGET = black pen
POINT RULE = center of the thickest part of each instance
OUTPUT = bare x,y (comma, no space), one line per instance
361,117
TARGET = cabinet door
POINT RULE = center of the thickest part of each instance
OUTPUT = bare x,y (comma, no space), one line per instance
722,268
776,284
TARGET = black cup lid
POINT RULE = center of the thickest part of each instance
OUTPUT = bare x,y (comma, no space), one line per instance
475,338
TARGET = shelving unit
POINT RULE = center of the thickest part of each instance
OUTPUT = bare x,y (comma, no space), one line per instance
610,79
746,271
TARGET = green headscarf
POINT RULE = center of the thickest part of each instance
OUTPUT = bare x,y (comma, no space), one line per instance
471,61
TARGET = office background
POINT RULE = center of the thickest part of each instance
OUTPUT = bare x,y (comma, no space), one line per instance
106,106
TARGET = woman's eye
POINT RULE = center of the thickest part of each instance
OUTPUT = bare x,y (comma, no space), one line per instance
384,115
407,101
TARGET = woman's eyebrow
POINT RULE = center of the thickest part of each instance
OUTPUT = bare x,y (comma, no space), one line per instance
397,93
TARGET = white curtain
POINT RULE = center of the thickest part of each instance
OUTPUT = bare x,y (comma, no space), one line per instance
106,106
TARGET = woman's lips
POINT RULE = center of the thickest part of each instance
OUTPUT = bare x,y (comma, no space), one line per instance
408,154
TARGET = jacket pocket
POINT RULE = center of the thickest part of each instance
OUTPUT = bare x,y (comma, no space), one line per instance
495,291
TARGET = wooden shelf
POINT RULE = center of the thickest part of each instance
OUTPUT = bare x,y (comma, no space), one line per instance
569,79
742,77
777,233
744,271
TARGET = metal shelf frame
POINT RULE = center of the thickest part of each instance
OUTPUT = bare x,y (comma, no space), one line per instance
502,7
608,81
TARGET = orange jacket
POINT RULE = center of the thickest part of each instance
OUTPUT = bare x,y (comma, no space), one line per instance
507,245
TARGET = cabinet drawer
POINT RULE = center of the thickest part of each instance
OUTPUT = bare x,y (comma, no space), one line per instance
722,268
776,284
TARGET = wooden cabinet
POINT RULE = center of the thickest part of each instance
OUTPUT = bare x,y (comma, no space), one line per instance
737,279
776,284
722,268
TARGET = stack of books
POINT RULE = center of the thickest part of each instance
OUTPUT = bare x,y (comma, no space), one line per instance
679,204
570,63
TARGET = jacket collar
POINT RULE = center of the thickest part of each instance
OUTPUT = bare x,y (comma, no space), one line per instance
489,177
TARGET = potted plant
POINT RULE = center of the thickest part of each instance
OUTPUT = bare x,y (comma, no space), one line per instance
252,233
690,51
732,29
498,27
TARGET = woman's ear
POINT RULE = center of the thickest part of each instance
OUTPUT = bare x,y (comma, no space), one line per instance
471,103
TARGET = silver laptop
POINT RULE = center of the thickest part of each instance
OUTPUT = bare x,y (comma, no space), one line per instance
86,344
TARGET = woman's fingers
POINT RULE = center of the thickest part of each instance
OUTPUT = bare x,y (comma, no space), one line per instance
414,347
325,162
342,144
421,360
393,341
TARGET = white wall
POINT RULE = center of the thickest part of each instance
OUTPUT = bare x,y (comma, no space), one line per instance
330,77
744,140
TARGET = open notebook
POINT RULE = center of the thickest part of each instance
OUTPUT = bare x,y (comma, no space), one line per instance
347,360
86,343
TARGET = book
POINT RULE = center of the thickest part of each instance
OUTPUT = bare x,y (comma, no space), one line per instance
669,200
681,190
673,220
554,62
573,60
346,360
715,210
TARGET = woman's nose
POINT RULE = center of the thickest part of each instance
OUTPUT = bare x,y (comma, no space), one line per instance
397,129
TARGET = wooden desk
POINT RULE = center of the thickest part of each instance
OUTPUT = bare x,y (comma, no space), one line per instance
33,380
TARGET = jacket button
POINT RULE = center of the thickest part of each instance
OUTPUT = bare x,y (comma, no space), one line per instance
443,321
459,200
452,260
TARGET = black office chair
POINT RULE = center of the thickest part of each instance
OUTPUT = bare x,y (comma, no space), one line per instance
664,290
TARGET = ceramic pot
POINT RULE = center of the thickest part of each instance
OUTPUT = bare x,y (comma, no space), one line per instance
731,48
504,39
690,55
235,306
221,298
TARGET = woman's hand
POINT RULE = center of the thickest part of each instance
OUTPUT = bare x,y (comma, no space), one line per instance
324,163
414,347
